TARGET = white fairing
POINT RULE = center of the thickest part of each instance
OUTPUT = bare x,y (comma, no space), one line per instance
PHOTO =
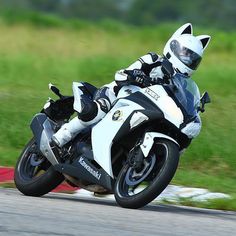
192,129
127,90
159,96
104,132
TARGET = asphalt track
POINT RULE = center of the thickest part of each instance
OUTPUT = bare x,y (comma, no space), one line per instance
66,215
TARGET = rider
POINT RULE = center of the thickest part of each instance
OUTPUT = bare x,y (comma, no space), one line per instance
183,50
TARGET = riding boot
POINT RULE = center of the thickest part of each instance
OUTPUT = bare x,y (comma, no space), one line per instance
68,131
89,113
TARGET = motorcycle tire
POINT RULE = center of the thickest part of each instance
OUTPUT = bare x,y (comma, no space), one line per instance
29,163
165,168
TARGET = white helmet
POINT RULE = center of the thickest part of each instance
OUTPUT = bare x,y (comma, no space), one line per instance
184,50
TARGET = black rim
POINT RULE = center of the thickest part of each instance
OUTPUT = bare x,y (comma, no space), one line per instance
32,164
132,183
134,178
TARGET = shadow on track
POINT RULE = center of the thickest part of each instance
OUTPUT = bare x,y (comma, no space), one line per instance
151,207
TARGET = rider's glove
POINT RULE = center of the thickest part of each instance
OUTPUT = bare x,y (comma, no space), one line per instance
156,80
138,77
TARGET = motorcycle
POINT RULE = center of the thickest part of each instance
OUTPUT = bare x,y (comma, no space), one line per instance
133,152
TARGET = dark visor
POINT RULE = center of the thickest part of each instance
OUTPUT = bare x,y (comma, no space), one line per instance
185,55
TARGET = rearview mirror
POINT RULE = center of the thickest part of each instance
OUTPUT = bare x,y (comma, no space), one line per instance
204,100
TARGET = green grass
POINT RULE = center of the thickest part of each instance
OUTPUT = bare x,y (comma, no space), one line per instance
220,204
34,53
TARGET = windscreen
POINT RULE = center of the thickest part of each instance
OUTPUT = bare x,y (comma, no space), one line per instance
186,93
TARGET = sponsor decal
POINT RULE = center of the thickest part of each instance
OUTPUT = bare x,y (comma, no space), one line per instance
117,115
152,93
93,172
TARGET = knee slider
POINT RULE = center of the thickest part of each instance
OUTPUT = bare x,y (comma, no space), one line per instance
89,110
104,104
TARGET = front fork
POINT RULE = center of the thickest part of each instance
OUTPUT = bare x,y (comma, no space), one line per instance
136,157
142,148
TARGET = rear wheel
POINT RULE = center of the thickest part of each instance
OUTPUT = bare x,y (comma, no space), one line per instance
34,174
135,189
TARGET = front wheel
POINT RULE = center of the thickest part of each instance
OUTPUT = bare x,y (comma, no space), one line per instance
34,175
135,189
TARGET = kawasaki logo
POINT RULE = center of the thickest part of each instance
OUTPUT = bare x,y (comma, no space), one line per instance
93,172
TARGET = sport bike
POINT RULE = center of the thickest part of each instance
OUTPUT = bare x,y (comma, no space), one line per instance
133,152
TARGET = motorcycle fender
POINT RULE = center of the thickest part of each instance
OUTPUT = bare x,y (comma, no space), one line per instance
149,140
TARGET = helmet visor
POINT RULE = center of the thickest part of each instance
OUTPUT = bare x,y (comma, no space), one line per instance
185,55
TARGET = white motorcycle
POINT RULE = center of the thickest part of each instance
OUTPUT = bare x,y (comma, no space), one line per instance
133,152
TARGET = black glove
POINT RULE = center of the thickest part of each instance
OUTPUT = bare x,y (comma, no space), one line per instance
167,69
138,77
157,81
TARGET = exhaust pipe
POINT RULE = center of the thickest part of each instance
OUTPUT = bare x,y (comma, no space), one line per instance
42,129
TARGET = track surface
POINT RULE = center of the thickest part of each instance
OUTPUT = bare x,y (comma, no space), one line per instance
65,215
